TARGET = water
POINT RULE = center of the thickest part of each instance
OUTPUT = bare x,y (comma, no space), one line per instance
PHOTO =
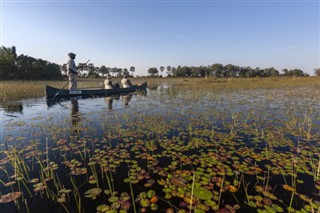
165,133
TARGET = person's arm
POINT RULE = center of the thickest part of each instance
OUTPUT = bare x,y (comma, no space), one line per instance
73,68
72,71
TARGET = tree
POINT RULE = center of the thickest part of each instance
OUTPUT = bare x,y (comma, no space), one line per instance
153,71
230,70
103,70
91,69
216,69
174,71
8,68
114,70
161,69
125,71
132,69
169,70
119,72
285,72
317,71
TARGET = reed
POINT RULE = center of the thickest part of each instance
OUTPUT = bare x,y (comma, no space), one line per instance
132,194
17,90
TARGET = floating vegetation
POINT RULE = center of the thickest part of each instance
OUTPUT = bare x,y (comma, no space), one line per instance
179,149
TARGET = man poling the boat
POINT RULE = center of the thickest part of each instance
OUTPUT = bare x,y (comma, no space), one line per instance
72,73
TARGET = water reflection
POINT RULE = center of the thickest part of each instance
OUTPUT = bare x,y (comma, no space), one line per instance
126,99
15,107
109,100
75,115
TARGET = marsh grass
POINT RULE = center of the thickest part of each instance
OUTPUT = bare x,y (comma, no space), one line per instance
17,90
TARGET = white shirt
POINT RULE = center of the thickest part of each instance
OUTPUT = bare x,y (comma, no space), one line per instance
108,84
71,65
125,83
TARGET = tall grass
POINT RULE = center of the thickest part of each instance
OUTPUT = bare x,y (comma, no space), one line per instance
17,90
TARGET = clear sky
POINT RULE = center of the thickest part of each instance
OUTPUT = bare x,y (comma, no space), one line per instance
144,34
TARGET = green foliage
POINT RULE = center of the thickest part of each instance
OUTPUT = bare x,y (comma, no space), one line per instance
153,71
7,65
22,67
317,72
229,70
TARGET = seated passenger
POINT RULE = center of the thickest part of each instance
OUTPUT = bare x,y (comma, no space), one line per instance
125,82
108,83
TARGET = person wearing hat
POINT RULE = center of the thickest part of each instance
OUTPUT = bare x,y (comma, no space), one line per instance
125,82
72,72
108,82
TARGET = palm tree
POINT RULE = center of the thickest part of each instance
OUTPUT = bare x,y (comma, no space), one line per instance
168,70
317,71
132,69
161,69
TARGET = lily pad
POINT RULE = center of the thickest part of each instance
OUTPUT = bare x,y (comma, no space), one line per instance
92,193
202,193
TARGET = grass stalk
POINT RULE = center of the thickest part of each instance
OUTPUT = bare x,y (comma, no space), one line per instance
192,188
27,207
132,194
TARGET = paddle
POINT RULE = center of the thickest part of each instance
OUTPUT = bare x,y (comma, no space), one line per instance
66,83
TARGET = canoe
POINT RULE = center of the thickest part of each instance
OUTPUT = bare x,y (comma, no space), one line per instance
52,92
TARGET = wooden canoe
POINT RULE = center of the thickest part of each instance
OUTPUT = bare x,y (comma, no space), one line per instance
59,93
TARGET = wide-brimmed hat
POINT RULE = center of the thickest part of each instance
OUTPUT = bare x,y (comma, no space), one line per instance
70,54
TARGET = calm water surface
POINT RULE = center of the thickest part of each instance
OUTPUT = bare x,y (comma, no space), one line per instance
247,119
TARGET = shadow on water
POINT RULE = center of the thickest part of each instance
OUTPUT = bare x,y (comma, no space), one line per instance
12,107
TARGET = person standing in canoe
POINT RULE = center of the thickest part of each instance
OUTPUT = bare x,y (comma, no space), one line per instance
125,82
72,72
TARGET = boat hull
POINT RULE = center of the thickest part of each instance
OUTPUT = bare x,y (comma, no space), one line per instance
52,92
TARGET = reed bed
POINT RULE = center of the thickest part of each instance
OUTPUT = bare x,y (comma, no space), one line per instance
17,90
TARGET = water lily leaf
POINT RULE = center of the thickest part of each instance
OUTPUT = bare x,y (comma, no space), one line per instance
10,197
154,207
151,193
144,202
202,193
113,199
289,188
92,193
103,208
305,197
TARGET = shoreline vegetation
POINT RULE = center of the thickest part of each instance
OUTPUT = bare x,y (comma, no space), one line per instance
18,90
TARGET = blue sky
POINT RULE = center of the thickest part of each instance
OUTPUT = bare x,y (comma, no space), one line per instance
144,34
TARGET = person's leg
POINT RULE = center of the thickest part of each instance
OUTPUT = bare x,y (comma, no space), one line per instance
73,82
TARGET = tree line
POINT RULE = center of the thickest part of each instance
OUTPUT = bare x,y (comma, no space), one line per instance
229,70
86,70
23,67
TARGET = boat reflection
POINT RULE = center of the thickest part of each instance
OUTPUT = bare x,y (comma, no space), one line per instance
109,100
126,99
12,107
75,116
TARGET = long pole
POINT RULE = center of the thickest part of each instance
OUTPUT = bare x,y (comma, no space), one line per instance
66,84
61,89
